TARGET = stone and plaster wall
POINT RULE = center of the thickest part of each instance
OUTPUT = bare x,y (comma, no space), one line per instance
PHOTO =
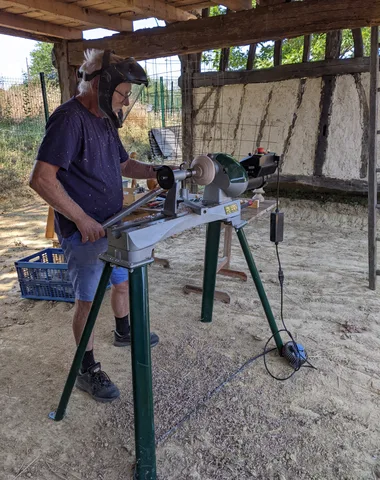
319,125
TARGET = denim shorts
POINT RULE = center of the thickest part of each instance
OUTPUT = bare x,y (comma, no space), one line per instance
84,266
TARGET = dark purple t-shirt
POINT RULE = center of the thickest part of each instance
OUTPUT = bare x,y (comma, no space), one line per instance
88,151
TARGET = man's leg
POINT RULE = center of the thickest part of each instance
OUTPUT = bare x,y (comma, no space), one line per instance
120,299
120,307
85,270
82,309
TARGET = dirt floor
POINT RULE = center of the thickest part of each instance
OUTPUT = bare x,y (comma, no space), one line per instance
321,424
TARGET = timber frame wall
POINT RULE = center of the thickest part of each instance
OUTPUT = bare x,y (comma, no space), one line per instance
328,69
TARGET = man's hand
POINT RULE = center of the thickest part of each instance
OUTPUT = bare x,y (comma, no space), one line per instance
90,229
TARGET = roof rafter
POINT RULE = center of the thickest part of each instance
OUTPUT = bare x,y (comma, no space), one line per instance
18,22
236,5
190,5
73,12
154,8
29,35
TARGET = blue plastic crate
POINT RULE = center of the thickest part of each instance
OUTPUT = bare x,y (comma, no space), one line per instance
44,276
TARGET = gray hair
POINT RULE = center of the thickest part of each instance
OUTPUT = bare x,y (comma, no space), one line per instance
93,61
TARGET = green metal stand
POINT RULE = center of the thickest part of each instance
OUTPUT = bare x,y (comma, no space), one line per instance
210,268
77,361
140,349
259,286
142,375
209,277
141,367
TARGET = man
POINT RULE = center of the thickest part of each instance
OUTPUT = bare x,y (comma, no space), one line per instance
78,172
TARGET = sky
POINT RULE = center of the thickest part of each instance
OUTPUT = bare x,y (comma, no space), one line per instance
15,51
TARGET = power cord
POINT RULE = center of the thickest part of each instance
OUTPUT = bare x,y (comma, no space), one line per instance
209,395
292,351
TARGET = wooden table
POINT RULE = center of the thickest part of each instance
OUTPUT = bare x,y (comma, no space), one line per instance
248,214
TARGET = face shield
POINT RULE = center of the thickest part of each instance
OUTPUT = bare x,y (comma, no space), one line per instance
112,75
124,111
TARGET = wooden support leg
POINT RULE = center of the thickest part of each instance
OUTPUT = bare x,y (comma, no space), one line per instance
49,231
218,295
224,262
161,261
227,272
222,269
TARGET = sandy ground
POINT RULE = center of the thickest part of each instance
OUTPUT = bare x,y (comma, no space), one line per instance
321,424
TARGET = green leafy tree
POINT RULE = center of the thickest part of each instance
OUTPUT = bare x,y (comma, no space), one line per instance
292,49
41,61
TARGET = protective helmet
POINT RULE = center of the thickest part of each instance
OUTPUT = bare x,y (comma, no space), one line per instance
111,75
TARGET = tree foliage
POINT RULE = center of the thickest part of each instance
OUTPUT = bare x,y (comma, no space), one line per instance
41,61
292,49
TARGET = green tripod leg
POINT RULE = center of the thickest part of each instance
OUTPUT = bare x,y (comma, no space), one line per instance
260,289
210,268
142,375
77,361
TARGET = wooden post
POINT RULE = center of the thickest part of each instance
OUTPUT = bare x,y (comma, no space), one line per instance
189,65
66,72
277,57
49,230
306,48
251,56
372,157
224,55
224,59
358,42
333,43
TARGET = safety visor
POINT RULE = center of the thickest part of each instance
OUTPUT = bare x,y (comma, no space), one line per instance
127,71
112,75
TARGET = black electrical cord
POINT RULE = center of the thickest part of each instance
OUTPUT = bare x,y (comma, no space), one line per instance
281,278
207,397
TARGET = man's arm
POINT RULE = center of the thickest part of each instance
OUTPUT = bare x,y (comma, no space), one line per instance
135,169
43,180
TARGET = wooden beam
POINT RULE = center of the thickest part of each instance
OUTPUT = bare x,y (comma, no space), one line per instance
239,28
282,72
236,5
358,42
267,3
154,8
317,184
29,35
73,12
191,5
25,24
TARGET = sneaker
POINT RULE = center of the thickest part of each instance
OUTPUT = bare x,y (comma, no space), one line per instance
125,340
98,384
